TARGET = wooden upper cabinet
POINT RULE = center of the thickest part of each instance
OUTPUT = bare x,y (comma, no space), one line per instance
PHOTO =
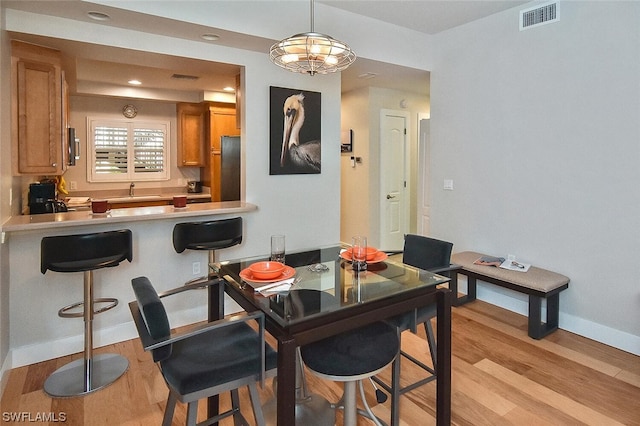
38,131
192,149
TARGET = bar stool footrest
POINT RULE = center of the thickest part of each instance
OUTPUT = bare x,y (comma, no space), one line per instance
70,380
64,312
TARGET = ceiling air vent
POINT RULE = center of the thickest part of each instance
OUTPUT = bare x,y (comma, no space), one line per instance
184,77
539,15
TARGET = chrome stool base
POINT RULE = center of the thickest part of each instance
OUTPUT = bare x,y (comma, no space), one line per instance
69,380
349,393
312,410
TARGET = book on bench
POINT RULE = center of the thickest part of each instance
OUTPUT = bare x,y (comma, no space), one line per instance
489,261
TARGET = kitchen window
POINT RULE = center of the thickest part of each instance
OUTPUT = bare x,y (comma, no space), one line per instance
122,150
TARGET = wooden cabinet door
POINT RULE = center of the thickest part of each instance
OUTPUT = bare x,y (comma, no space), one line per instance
222,122
192,150
37,117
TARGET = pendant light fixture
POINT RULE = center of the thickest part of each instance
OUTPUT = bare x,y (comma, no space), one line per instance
312,53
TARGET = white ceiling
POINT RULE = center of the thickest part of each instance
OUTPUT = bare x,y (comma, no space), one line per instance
426,16
95,66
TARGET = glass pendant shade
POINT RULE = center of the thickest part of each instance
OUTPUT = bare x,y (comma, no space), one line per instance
312,53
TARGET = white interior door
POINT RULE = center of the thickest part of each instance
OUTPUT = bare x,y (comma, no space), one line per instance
424,208
394,200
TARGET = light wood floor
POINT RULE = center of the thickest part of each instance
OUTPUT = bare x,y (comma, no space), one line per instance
500,377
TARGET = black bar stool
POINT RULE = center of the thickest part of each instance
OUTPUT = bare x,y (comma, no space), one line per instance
351,357
85,253
211,236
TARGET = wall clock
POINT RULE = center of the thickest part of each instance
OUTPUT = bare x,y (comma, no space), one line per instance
129,111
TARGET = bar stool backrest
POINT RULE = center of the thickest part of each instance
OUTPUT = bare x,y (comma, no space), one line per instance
85,252
211,235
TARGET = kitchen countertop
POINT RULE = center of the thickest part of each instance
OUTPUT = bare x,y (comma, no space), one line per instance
76,201
83,218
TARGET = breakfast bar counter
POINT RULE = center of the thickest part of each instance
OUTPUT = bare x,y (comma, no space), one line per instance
37,332
126,215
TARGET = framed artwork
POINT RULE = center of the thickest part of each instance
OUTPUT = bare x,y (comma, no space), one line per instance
346,141
295,132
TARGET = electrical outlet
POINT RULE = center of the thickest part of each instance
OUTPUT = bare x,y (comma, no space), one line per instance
73,185
195,266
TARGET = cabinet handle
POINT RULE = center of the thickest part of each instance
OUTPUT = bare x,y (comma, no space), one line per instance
54,165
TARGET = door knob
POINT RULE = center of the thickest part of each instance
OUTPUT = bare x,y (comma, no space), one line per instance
390,196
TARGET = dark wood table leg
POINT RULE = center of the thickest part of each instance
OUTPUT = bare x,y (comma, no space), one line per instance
286,395
215,312
443,358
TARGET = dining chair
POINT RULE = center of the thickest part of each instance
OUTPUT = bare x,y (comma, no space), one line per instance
432,255
206,359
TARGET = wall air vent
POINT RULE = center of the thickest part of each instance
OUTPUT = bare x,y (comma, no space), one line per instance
539,15
184,77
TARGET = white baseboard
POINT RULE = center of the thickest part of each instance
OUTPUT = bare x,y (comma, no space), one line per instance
518,303
4,374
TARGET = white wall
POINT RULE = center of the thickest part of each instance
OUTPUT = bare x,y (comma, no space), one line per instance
5,188
540,132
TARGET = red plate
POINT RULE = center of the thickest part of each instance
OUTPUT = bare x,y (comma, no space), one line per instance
288,272
380,256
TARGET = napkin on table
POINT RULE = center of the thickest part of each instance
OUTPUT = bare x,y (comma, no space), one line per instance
276,287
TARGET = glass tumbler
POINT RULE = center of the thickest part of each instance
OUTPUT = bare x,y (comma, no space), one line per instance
359,253
277,248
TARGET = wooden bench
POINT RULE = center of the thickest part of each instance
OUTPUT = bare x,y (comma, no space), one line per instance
538,283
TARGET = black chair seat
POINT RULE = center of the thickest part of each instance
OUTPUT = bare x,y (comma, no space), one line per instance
354,352
191,367
85,252
86,265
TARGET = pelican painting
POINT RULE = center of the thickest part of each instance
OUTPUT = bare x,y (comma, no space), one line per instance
299,145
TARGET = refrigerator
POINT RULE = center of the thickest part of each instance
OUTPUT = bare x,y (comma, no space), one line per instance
230,168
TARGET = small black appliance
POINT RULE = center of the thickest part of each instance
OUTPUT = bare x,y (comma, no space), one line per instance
42,199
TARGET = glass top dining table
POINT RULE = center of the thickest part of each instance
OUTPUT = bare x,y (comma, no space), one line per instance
328,297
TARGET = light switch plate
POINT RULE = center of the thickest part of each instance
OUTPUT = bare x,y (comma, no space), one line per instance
448,184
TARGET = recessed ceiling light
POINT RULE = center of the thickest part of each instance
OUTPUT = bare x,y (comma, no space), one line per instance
135,82
210,37
229,89
98,16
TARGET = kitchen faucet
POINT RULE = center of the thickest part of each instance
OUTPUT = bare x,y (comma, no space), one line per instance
131,189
